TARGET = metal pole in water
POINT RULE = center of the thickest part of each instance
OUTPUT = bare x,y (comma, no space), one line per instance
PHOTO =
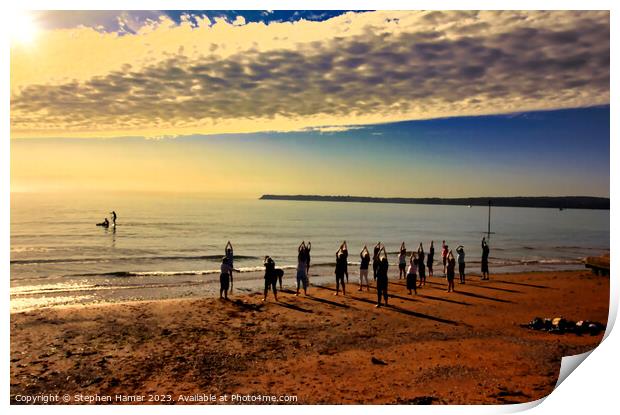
489,223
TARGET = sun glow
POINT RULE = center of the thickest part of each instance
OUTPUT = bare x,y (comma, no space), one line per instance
23,28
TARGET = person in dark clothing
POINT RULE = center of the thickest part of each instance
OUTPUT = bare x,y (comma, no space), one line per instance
364,262
345,252
382,278
460,259
302,268
340,272
226,277
105,223
484,262
228,253
430,258
113,218
450,271
411,273
270,278
421,267
375,260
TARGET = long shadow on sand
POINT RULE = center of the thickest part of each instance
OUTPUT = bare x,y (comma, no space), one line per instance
293,307
324,301
482,297
318,299
400,297
410,313
431,297
479,286
398,309
486,287
523,284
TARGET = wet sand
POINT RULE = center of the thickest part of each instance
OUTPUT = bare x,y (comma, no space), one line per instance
444,348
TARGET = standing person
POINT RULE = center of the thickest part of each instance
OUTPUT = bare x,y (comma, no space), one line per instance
226,270
228,254
484,263
402,261
411,274
421,267
113,213
340,271
444,256
302,268
375,260
364,262
345,252
460,257
308,248
382,278
430,258
270,278
451,263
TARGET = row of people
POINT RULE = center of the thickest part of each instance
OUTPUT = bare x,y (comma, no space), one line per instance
380,266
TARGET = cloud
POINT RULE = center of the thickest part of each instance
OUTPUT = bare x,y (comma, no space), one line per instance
334,128
354,69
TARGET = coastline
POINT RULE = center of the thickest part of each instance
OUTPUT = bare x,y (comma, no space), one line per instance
153,287
438,347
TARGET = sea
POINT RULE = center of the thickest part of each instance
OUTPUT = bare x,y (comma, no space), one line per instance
171,245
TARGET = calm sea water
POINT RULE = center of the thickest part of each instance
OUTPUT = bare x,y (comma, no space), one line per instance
171,245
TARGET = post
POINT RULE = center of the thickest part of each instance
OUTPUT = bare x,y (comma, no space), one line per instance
489,224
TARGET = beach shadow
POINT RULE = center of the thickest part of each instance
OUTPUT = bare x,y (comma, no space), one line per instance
324,301
247,306
475,285
523,284
496,288
408,312
482,297
322,287
293,307
421,315
431,297
400,297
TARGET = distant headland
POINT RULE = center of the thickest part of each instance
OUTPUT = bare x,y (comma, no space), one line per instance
557,202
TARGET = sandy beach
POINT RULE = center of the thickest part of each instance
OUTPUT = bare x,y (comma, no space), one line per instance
465,347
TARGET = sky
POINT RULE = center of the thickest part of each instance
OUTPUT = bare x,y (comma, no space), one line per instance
371,103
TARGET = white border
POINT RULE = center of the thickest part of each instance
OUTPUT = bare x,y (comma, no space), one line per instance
592,388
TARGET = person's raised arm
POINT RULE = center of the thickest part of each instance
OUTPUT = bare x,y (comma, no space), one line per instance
309,246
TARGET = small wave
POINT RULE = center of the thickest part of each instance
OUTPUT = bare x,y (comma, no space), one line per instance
20,249
127,274
108,259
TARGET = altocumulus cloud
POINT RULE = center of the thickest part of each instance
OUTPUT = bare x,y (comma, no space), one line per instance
354,69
